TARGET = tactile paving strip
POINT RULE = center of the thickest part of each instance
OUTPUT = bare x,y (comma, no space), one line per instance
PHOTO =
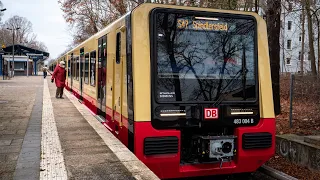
52,163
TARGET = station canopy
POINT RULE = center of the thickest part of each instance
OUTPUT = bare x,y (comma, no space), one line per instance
20,50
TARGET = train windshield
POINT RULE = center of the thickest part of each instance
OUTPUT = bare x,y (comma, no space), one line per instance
202,59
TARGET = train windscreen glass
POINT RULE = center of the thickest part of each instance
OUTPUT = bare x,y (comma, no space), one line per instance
202,59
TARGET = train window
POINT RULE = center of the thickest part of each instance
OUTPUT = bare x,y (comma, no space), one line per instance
74,68
104,51
204,58
104,46
69,69
118,50
81,63
92,68
64,60
77,67
86,69
72,65
99,49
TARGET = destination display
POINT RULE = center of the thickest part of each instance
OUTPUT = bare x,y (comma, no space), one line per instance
202,25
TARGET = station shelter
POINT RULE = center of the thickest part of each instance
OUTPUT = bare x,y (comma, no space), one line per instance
22,56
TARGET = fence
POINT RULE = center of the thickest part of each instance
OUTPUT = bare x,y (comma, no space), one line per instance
300,104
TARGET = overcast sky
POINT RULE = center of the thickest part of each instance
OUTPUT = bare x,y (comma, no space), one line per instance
47,20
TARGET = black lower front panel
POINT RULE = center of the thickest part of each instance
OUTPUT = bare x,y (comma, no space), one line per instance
256,140
161,145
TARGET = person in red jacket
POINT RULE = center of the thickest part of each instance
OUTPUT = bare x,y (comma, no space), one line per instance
59,74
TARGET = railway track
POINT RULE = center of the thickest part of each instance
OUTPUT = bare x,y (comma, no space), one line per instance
263,173
275,174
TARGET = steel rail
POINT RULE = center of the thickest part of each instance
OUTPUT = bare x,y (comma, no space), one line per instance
275,173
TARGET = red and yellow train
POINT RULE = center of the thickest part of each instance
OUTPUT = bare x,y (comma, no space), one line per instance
186,89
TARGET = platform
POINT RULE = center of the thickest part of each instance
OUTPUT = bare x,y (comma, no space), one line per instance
42,137
301,150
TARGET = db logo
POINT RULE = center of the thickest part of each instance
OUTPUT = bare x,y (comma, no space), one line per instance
211,113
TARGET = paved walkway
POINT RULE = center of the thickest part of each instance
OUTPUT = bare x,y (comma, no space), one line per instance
42,137
17,100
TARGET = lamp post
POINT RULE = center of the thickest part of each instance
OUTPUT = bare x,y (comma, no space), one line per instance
1,52
12,73
2,63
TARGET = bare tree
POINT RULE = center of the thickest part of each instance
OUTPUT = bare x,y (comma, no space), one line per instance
23,35
24,25
1,13
38,45
83,16
303,34
119,5
87,17
315,15
273,25
311,38
5,36
318,42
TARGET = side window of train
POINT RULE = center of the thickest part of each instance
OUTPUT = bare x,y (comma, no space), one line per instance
74,72
72,66
118,49
81,63
77,67
92,68
104,49
86,68
69,69
99,51
64,60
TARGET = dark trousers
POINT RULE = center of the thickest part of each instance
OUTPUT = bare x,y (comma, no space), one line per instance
44,74
59,92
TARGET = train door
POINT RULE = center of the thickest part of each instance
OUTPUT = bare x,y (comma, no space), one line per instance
118,79
65,62
102,64
68,69
81,69
71,71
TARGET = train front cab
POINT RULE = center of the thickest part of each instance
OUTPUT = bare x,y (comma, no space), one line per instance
171,134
